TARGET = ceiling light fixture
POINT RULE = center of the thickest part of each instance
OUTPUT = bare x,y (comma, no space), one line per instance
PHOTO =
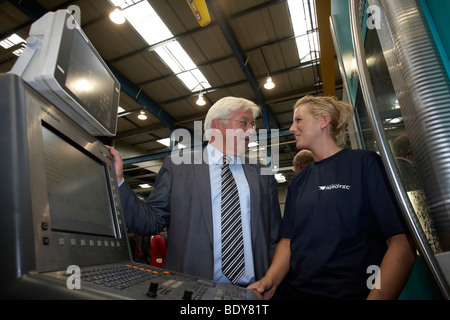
269,83
200,100
142,115
117,16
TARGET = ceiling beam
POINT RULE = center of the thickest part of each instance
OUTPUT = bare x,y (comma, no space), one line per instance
32,9
323,11
302,65
143,99
222,59
155,127
199,29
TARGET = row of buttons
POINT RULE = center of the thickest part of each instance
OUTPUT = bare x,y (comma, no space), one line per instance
233,294
91,243
120,277
117,278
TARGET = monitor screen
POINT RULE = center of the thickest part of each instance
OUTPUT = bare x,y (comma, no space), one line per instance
78,192
86,79
63,66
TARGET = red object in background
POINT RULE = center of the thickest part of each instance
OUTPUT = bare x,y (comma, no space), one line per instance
158,251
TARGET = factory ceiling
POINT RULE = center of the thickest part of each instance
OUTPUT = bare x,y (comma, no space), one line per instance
245,42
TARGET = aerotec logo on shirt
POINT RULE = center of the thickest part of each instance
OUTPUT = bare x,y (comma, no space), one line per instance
334,186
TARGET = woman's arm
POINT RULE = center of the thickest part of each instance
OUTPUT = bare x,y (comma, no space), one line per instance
395,268
277,271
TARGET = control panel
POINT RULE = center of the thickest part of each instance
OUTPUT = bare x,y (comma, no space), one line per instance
144,282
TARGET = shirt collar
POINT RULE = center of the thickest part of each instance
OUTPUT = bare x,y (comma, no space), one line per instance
215,156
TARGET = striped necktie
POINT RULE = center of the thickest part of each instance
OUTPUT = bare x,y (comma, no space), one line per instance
232,239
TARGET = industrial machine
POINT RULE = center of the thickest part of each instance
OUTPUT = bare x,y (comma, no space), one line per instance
62,227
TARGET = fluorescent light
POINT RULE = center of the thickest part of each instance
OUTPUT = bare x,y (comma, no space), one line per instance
145,186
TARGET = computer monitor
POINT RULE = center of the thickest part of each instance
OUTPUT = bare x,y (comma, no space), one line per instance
78,187
62,229
61,208
62,188
60,62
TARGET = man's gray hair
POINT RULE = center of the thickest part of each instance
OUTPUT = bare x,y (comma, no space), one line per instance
224,107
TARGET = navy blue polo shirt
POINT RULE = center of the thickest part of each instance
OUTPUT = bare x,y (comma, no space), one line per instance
339,212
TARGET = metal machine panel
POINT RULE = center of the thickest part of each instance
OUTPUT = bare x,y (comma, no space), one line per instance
53,174
406,91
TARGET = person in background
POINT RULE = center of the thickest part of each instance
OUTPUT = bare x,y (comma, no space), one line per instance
302,159
342,235
158,251
187,200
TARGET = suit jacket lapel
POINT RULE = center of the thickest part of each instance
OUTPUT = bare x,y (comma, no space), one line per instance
252,175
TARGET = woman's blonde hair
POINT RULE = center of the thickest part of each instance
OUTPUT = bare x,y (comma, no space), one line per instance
340,113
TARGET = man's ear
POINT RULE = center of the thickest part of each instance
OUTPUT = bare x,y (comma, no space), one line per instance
325,120
215,123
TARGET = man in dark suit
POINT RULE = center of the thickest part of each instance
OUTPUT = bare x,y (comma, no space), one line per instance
187,199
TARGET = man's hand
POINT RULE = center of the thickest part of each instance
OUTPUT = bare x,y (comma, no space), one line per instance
118,163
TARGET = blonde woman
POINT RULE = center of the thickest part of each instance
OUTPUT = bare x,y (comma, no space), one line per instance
342,225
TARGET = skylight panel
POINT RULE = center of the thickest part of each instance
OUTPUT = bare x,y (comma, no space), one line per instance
180,55
169,59
200,79
305,30
298,18
145,20
12,41
194,80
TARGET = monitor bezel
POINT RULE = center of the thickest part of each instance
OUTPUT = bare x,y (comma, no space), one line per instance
61,72
56,250
48,43
110,215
